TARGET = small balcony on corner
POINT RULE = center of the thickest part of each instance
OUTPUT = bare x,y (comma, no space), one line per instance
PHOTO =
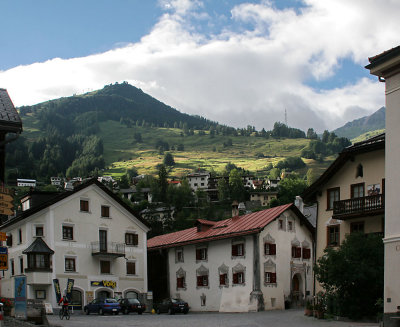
108,249
359,207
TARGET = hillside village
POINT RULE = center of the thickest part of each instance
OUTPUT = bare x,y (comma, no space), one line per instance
262,255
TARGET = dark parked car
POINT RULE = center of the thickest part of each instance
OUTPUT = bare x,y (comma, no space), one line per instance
131,305
102,306
172,306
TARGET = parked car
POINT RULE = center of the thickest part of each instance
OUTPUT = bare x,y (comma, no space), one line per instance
172,306
102,306
131,305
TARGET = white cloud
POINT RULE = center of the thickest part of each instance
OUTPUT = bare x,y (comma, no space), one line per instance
237,78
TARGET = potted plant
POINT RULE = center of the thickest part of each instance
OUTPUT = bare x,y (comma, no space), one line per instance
7,305
320,305
308,311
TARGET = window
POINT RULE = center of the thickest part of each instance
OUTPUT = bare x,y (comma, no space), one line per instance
131,239
202,280
270,278
296,252
357,190
70,264
180,282
269,249
281,225
179,255
12,267
105,211
39,231
21,265
223,279
357,227
130,268
333,195
39,261
68,233
238,250
9,240
19,236
333,235
290,226
85,205
238,278
306,253
105,267
201,254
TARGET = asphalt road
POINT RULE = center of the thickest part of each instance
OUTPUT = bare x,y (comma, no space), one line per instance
257,319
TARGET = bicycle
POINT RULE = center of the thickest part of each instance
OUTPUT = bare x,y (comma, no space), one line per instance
64,312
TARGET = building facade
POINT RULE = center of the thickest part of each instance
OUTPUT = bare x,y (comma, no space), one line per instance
350,194
247,263
387,67
88,235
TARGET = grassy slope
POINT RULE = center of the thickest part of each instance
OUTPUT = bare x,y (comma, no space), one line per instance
122,152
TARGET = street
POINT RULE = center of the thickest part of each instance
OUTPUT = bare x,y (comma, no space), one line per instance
257,319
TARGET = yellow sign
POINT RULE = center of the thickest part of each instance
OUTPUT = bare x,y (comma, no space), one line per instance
3,261
3,236
6,211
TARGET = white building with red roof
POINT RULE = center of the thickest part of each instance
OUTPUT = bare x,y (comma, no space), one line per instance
253,262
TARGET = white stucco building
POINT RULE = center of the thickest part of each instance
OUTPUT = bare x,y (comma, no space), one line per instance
198,181
88,235
387,67
245,263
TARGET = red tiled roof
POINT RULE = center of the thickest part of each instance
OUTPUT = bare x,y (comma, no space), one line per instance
243,225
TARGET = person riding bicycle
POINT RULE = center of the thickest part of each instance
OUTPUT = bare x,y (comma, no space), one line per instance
64,301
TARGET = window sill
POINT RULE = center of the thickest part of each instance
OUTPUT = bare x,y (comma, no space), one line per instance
199,287
223,286
238,257
67,240
27,270
105,217
202,260
132,245
270,284
70,272
242,284
85,211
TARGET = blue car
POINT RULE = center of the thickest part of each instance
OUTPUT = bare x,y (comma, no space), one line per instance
102,306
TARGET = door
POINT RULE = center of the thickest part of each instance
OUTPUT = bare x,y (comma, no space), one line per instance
296,284
103,240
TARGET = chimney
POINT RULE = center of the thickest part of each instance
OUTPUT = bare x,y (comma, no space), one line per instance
235,209
298,202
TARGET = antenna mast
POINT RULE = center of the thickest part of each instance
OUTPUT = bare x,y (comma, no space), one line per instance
285,117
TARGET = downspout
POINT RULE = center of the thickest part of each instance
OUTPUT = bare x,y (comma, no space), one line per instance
256,294
315,247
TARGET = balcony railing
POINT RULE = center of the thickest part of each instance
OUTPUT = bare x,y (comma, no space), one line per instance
110,249
351,208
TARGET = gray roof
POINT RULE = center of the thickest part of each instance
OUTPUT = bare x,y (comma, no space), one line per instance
38,246
9,118
310,212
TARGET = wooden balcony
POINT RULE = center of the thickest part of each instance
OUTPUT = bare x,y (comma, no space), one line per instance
359,207
109,249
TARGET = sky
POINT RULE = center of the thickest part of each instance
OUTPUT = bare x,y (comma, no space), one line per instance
237,62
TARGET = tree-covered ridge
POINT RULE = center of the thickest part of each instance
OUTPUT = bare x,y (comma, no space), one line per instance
119,102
